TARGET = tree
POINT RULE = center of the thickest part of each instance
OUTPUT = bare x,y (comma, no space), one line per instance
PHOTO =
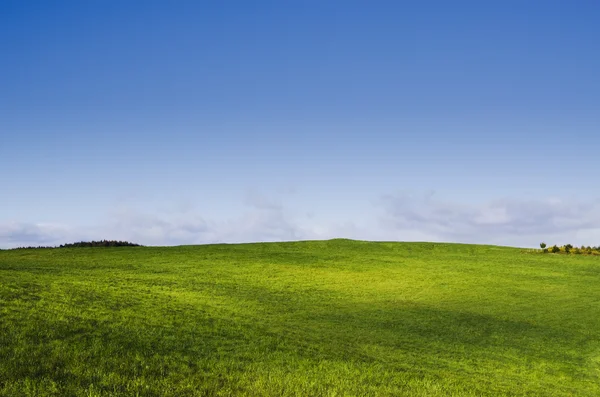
568,248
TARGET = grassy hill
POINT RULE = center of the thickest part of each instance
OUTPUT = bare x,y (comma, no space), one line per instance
327,318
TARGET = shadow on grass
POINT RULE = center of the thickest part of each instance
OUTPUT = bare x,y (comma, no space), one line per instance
110,341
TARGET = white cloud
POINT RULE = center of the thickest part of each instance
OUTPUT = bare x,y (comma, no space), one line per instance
264,219
18,234
403,217
501,221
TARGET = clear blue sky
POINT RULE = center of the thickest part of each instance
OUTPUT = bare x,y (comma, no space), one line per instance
199,121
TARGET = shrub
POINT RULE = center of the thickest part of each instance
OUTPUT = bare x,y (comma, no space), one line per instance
555,249
542,245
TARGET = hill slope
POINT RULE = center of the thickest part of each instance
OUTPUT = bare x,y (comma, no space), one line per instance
319,318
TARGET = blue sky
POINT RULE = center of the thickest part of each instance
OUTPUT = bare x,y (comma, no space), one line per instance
222,121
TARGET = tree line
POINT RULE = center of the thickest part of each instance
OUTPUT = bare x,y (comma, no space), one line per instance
84,244
570,249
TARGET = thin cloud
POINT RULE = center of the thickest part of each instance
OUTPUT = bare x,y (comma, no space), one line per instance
511,220
402,217
18,234
264,219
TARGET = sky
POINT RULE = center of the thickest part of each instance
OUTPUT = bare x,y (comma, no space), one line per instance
192,122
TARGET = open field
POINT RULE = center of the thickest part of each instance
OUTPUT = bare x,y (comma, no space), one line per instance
330,318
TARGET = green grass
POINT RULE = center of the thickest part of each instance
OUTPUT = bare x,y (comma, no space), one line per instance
329,318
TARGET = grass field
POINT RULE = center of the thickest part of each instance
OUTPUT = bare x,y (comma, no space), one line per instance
328,318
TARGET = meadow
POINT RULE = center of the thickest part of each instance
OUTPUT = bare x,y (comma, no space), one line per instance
317,318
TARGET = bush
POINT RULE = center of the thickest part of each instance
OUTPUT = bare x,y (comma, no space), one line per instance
555,249
542,245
